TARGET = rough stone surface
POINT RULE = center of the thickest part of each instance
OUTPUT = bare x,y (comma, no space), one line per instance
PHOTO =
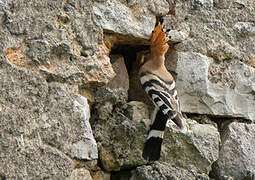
52,51
109,162
46,54
35,116
245,28
56,42
164,171
137,111
121,79
138,21
197,147
222,50
202,3
114,125
101,175
81,130
23,158
177,36
202,91
87,148
80,174
237,157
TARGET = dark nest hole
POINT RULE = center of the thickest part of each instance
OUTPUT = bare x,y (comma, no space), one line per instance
123,174
132,55
129,52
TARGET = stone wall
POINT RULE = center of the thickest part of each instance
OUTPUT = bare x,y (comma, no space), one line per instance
71,106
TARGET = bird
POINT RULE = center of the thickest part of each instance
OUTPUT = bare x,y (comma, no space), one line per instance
159,84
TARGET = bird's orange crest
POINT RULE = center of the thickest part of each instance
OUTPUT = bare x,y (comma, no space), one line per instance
159,39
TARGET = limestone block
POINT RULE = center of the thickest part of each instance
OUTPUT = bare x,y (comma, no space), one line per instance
40,121
121,79
101,175
237,157
245,28
164,171
178,36
57,44
119,138
197,147
203,3
232,98
86,148
80,174
117,17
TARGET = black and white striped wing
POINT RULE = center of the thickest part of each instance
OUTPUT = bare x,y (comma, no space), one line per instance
163,94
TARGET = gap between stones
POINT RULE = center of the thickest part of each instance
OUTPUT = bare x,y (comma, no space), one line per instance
132,56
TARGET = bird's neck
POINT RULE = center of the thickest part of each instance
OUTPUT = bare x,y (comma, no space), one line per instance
158,59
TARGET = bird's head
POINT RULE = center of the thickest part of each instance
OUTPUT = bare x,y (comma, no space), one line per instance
159,40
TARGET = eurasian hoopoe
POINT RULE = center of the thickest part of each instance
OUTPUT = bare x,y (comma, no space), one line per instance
159,84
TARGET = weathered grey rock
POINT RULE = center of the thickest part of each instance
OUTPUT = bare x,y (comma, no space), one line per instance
23,158
231,97
222,50
241,3
203,3
83,144
115,16
178,36
245,28
108,160
138,112
237,157
209,26
52,50
115,126
192,80
101,175
196,147
226,4
121,79
164,171
87,148
222,4
40,121
45,57
158,7
80,174
56,42
39,51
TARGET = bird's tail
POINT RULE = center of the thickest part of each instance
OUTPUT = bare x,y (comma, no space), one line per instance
154,140
152,148
159,39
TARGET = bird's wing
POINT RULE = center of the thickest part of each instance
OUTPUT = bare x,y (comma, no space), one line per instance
163,94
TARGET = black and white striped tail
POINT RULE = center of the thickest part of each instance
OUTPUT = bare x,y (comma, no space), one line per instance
154,140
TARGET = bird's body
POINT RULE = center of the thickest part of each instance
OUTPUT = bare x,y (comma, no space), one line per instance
159,84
